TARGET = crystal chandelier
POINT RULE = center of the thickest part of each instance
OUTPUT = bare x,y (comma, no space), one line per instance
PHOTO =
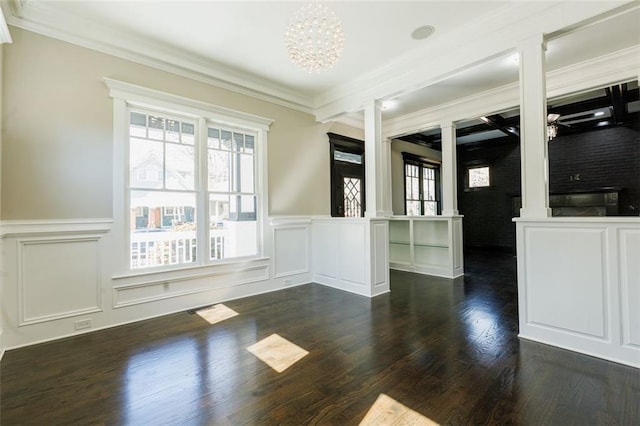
314,38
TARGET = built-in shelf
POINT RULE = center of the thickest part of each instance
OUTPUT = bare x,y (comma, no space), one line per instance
428,245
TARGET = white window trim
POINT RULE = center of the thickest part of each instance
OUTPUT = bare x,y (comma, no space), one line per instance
127,95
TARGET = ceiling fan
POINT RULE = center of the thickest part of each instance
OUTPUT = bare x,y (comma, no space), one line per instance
552,125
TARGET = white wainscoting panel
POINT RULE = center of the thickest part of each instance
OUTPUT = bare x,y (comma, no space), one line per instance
457,246
565,267
351,254
52,269
291,249
380,234
325,250
579,285
150,291
352,238
629,250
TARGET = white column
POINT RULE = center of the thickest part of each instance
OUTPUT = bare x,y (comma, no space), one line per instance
533,129
377,163
449,170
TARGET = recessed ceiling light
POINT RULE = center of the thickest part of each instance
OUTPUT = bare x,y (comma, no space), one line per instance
598,114
422,32
387,105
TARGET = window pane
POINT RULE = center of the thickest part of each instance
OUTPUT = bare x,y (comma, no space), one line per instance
246,173
188,133
219,164
479,177
249,142
180,169
430,208
173,130
413,208
232,226
145,158
415,188
138,125
225,140
213,138
347,157
163,228
239,141
156,127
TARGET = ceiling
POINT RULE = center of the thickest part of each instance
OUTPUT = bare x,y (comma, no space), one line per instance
617,105
239,44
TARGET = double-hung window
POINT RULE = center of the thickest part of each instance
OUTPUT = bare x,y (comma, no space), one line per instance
422,186
192,180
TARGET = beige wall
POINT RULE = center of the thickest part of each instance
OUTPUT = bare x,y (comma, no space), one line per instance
57,152
397,169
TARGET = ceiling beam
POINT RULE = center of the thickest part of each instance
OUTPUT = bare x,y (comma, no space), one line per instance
497,122
618,105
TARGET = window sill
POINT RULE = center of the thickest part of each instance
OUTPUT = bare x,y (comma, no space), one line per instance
192,271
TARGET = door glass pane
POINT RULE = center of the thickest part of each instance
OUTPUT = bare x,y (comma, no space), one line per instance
352,197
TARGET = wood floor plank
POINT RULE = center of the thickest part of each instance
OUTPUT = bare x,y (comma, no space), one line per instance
446,349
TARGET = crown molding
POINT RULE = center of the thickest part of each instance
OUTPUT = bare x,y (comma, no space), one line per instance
486,38
5,37
142,96
41,18
616,67
354,120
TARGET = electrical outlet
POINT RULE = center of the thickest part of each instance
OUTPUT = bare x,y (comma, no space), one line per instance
82,324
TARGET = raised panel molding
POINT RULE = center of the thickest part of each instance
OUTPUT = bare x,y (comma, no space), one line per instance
566,267
381,247
629,249
353,240
58,277
291,247
150,291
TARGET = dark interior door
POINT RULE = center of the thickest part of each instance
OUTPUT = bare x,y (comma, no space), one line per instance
348,192
347,176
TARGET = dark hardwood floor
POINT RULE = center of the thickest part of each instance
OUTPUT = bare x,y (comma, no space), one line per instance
447,350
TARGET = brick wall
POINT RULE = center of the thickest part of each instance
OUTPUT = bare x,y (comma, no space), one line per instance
602,158
488,211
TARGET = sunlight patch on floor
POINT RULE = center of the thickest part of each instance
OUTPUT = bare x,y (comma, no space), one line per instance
388,411
216,313
277,352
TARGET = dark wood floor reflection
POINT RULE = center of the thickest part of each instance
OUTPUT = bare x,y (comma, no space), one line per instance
446,350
